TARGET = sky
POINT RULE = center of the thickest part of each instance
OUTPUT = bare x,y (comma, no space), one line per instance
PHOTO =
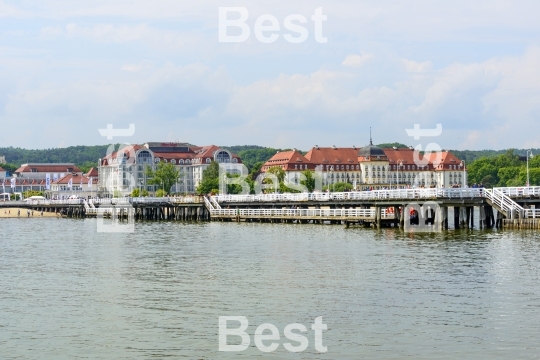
69,68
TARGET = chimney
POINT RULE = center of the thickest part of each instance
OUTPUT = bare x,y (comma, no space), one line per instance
317,147
334,147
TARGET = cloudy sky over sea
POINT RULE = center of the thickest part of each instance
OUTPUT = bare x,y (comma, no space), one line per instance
68,68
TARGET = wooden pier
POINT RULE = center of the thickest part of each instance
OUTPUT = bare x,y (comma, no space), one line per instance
514,208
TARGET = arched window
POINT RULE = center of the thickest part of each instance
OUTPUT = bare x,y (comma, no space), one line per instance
181,161
156,160
144,157
208,160
164,160
187,161
223,156
173,162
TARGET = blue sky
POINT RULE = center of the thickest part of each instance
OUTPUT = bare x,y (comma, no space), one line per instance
68,68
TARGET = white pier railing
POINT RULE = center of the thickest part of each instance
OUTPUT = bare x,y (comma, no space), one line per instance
307,213
405,194
520,191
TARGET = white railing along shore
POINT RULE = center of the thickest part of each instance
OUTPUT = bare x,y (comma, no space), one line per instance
410,194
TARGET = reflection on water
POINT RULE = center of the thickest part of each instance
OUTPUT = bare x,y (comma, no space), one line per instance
69,292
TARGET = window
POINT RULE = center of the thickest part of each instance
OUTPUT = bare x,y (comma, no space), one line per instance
173,162
208,160
164,160
187,161
234,161
156,160
223,157
181,161
144,157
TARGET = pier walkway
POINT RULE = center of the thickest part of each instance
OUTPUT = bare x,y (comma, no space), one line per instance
511,207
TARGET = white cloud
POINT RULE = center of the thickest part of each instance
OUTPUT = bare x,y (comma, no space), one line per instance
357,60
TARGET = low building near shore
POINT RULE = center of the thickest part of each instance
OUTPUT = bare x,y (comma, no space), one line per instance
33,176
79,185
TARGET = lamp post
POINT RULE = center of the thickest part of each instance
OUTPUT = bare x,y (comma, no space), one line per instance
463,180
531,155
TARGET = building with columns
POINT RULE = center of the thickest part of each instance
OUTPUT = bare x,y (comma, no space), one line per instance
371,167
125,169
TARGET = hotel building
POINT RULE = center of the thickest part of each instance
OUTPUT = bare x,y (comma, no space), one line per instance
125,170
373,167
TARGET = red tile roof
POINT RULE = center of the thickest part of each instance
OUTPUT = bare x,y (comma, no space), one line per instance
76,180
288,161
47,168
333,156
92,172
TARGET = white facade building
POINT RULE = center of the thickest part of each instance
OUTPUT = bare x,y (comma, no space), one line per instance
125,170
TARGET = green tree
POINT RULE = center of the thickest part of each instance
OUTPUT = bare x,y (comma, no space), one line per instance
508,175
339,187
278,172
210,180
165,176
161,193
30,193
135,192
144,193
310,180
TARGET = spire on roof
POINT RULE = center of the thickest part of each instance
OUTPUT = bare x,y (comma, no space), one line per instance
370,140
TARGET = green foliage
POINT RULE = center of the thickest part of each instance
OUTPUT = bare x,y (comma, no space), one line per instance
391,145
338,187
161,193
278,172
165,176
506,169
144,193
10,168
251,155
30,193
309,183
135,192
73,154
117,194
210,180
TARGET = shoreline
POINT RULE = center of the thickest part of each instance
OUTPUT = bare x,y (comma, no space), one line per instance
11,213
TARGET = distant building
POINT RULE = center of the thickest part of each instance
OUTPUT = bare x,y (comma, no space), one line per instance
40,170
3,173
33,176
125,169
3,160
373,167
74,184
